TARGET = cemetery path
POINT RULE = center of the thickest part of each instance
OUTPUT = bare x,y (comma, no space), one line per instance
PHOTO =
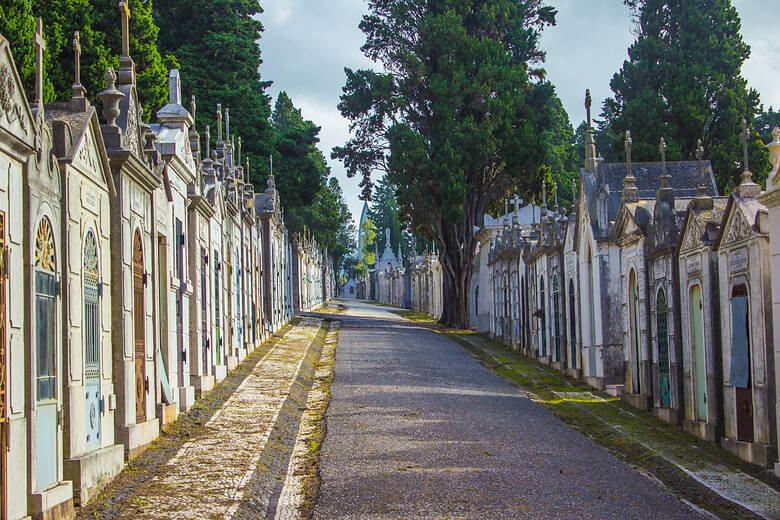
417,428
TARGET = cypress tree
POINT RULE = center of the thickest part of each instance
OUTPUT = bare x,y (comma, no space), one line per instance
683,82
215,42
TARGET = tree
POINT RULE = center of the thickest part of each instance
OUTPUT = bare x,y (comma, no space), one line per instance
766,122
683,82
99,32
384,213
456,122
561,158
367,257
215,42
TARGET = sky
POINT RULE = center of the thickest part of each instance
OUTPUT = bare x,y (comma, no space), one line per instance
307,44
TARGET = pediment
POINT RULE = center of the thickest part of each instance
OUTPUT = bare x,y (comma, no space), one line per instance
15,114
691,235
738,228
90,157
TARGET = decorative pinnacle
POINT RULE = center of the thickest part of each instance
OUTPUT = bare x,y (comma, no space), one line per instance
77,57
110,97
193,106
630,192
208,141
40,46
665,177
588,102
219,122
703,200
745,138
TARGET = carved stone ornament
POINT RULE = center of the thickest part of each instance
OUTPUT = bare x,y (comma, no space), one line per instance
45,254
740,228
12,110
692,237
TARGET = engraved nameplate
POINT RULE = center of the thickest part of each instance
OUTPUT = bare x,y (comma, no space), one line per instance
738,260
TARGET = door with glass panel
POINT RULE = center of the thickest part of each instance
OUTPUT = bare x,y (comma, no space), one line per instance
139,328
91,282
46,356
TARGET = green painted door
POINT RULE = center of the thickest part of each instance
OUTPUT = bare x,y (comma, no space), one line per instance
699,358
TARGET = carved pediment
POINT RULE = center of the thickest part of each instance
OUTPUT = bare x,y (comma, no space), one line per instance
86,157
692,237
15,114
739,228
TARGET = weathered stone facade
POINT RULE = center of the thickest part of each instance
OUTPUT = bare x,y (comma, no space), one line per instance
136,272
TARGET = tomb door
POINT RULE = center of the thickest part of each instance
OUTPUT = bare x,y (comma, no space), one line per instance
572,326
699,358
741,377
543,318
217,309
91,283
662,337
557,318
46,358
633,316
139,327
204,322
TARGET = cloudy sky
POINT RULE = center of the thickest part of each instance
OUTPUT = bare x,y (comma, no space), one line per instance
307,44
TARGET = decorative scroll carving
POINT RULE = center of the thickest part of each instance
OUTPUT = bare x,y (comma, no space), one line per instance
45,254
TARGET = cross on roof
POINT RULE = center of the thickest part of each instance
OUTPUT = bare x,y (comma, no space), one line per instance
219,122
700,157
77,56
193,106
629,142
40,46
208,141
124,12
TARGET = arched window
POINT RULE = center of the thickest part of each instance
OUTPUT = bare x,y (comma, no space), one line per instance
557,317
633,315
662,338
741,374
45,292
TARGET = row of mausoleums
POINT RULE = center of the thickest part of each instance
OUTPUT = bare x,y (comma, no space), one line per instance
137,271
654,288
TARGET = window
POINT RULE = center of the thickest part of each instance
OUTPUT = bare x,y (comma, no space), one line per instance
45,293
91,314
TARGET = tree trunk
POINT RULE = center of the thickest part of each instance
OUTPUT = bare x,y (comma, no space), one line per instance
456,304
457,246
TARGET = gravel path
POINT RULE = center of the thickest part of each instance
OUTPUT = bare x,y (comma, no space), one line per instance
419,429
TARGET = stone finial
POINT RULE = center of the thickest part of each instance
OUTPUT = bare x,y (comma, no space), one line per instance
703,200
219,122
126,65
590,143
555,189
588,102
208,141
630,191
247,169
238,155
574,192
40,46
174,87
774,158
110,98
748,188
227,124
665,177
193,107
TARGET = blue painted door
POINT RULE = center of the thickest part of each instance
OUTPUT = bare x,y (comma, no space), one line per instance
46,381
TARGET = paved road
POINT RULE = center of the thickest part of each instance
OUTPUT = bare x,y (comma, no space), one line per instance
417,429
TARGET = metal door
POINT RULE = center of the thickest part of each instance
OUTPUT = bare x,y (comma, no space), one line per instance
3,374
217,310
699,358
204,322
91,342
633,316
662,332
139,328
572,326
46,358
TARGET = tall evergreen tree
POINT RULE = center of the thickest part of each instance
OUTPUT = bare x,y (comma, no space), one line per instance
683,82
561,158
456,121
384,213
216,43
99,32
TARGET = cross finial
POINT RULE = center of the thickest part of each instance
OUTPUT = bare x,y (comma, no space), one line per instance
588,102
208,141
629,142
40,46
77,56
193,106
745,138
662,148
219,122
239,150
124,12
227,124
555,188
247,168
700,157
574,192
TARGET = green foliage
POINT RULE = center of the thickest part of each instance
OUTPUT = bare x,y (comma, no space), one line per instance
367,258
561,158
683,82
456,121
98,24
385,214
766,122
215,42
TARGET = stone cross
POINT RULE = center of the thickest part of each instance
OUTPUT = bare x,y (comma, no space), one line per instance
40,46
506,206
227,124
555,187
219,122
124,12
247,168
517,203
77,56
662,148
574,192
745,138
193,106
588,101
208,141
387,238
239,150
174,87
